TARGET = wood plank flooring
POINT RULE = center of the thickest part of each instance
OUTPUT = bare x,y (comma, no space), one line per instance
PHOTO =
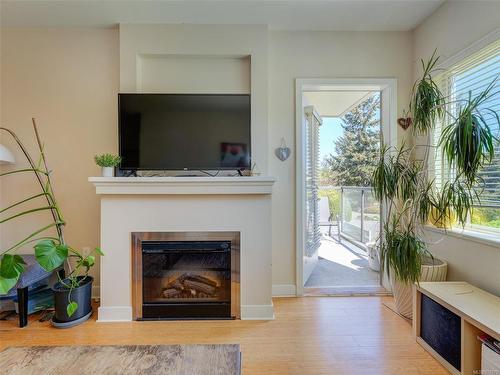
311,335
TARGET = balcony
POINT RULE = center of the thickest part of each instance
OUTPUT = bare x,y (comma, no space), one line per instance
343,265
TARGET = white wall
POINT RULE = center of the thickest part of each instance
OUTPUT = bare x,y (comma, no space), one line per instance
319,55
468,260
454,26
451,29
42,67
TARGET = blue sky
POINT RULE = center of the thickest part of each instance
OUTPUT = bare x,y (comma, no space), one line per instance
328,133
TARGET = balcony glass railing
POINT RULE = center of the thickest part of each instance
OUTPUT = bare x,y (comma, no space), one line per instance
358,211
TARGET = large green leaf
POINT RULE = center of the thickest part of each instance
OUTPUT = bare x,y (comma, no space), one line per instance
87,262
11,266
71,308
50,255
99,251
7,284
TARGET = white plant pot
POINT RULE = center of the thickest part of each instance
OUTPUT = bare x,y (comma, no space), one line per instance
432,270
373,258
108,172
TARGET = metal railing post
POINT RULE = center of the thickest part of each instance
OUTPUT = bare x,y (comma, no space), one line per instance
362,214
341,208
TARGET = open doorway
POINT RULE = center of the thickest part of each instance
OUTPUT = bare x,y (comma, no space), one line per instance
341,128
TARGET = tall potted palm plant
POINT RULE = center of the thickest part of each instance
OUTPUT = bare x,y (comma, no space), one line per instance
411,197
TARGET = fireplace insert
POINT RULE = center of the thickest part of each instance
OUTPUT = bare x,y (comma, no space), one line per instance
188,279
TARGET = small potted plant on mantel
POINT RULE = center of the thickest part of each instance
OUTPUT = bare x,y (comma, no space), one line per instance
72,295
107,162
410,196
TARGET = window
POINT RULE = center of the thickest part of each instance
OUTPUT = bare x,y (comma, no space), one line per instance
473,75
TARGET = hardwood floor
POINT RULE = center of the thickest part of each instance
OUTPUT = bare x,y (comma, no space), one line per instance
311,335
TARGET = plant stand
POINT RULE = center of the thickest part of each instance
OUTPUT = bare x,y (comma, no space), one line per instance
30,278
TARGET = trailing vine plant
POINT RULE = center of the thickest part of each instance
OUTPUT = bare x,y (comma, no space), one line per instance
427,104
51,251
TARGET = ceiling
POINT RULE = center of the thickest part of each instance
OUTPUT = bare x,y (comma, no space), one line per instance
336,15
334,103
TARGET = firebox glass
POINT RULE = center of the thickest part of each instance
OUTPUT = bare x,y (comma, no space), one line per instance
186,272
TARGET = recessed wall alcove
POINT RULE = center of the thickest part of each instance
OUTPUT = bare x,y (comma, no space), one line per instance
193,74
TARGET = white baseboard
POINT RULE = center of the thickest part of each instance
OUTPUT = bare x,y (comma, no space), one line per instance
284,290
257,312
96,291
114,314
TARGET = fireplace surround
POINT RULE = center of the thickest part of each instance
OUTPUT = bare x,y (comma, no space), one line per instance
185,275
185,204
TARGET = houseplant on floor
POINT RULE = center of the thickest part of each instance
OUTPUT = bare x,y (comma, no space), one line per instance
72,294
409,194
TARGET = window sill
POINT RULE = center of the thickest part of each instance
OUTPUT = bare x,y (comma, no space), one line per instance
490,239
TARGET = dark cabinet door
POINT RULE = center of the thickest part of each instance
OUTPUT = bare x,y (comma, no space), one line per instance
441,329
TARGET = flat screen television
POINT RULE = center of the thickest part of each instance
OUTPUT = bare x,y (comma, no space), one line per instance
184,131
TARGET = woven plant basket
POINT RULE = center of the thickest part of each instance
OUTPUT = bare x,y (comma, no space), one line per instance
432,270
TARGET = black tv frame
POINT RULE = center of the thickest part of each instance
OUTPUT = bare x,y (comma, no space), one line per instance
129,172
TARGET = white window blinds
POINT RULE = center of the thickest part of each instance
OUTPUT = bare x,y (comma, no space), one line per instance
313,234
473,75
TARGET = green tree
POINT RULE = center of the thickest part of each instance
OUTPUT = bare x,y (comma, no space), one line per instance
357,150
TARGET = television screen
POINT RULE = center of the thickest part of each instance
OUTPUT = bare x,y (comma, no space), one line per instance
184,131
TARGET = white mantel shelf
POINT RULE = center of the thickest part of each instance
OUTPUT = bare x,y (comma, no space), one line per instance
183,185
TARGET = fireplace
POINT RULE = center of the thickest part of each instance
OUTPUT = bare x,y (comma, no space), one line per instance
185,275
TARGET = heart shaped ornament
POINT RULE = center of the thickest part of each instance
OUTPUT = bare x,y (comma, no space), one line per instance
282,153
404,122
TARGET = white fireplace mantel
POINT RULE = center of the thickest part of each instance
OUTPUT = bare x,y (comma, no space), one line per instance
183,185
185,204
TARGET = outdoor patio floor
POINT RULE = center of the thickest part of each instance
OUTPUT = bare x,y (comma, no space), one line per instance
342,269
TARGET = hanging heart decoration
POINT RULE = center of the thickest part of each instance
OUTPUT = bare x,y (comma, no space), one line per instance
283,152
404,122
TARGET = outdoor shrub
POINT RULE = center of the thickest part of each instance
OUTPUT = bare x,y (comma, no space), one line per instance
333,201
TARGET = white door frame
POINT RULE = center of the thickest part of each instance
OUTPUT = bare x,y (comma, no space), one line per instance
387,87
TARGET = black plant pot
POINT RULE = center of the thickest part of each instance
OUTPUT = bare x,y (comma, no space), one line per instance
81,295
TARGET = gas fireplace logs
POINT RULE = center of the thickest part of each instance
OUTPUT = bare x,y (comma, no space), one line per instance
190,285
